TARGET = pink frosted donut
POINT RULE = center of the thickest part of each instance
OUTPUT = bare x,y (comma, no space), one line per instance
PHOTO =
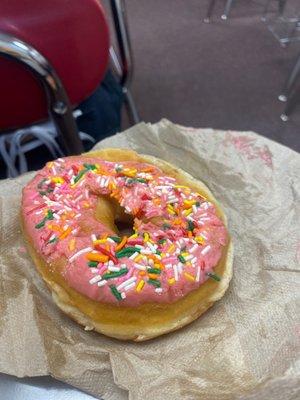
73,209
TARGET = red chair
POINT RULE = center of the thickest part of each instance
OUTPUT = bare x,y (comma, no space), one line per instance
57,47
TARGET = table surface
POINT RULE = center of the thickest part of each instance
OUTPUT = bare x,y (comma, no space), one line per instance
44,387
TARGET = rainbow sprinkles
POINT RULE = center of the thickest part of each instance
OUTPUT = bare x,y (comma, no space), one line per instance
177,235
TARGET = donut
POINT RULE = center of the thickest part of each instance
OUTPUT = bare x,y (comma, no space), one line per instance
129,245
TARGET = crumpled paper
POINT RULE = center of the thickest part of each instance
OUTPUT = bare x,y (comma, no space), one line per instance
245,347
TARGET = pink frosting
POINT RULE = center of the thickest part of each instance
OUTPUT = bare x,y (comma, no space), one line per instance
178,235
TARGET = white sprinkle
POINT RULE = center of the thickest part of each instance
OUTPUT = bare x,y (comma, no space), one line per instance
77,215
78,198
113,268
204,236
139,246
205,250
194,208
68,208
128,287
39,212
54,171
86,193
94,270
139,266
168,266
102,283
52,237
158,290
82,182
198,274
93,237
95,279
123,295
189,257
132,257
79,253
175,272
179,267
193,260
145,251
126,283
110,240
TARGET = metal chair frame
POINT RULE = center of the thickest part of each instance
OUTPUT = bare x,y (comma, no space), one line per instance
58,102
288,94
124,66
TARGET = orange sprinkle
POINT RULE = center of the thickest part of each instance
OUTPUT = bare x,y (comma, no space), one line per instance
190,235
142,273
121,244
72,244
152,276
189,277
55,227
66,233
96,257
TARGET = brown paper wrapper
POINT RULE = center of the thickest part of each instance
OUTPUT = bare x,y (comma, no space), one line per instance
245,347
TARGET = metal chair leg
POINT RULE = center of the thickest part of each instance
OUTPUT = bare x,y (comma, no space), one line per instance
227,9
120,21
281,7
290,82
265,11
210,10
58,101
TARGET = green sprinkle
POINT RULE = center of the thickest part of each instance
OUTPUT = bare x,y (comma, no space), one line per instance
42,193
154,271
197,204
214,276
53,240
90,166
162,241
158,252
93,264
112,275
80,175
127,251
40,224
115,239
142,180
115,292
181,258
119,169
191,226
154,282
50,214
166,226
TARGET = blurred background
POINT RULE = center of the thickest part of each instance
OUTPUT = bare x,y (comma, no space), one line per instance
224,64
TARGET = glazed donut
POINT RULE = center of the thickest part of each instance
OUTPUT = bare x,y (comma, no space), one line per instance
129,245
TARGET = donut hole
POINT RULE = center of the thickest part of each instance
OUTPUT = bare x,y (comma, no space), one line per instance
113,216
125,228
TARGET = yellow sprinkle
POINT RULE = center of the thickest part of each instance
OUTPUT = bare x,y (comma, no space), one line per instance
157,265
129,172
138,258
199,240
187,212
134,236
163,255
58,179
140,285
146,236
185,254
171,281
189,203
99,241
189,277
171,249
50,164
86,204
72,244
